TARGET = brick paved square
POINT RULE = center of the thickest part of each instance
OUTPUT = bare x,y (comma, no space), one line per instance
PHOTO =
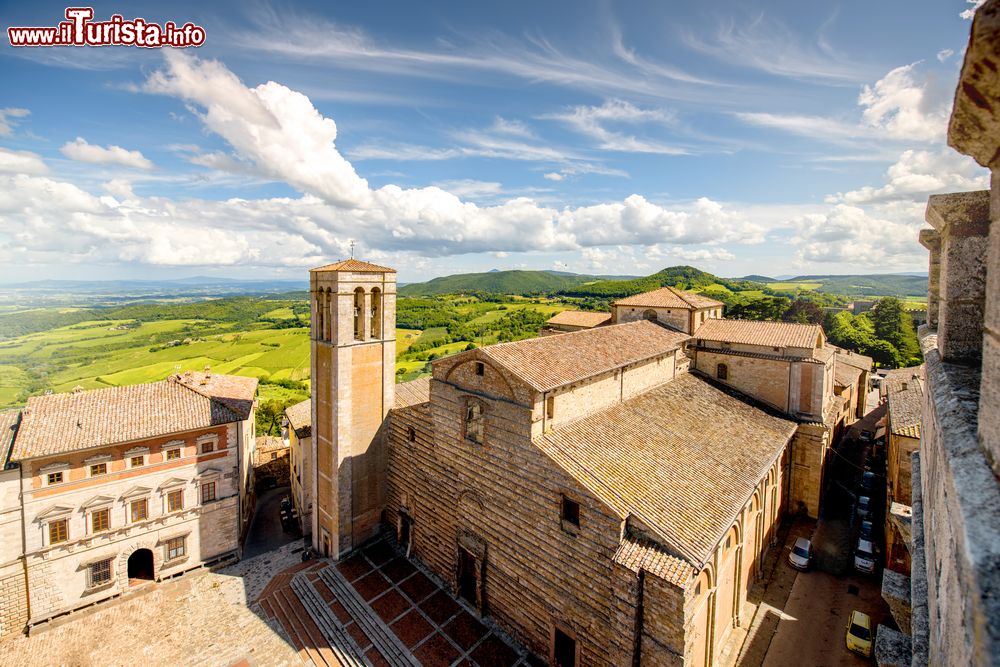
465,630
398,569
418,586
436,652
371,585
390,605
411,628
354,567
439,607
494,653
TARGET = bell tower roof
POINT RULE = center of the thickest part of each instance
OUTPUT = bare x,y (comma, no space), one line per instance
354,265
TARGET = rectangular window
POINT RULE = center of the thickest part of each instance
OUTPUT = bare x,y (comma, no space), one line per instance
175,501
139,510
208,492
208,446
175,548
54,478
563,649
550,407
480,368
100,572
570,511
98,469
58,531
174,453
474,422
137,462
100,520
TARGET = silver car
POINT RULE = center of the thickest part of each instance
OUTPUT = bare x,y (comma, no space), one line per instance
864,557
801,554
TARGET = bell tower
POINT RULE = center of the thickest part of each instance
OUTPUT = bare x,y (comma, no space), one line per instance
353,350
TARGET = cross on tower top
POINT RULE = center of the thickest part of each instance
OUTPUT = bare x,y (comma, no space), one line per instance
352,248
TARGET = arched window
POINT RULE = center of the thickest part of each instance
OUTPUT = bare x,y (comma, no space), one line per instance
474,422
376,328
722,372
359,314
327,320
320,314
649,315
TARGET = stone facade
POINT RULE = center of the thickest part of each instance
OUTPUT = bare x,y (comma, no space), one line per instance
955,549
297,431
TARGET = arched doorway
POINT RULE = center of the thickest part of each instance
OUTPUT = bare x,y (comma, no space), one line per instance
140,566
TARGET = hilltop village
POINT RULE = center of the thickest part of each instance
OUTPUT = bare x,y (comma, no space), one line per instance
623,489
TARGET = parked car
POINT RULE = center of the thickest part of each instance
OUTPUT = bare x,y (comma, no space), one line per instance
867,481
867,530
867,436
864,507
864,556
859,633
801,554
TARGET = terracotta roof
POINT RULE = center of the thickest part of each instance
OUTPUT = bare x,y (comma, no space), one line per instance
234,391
845,375
669,297
354,265
579,318
554,361
768,334
300,417
636,553
8,429
59,423
413,392
268,443
670,458
905,393
854,359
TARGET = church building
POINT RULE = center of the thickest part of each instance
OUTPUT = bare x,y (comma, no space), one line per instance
605,494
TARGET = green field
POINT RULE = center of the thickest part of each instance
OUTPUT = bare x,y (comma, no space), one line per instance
262,340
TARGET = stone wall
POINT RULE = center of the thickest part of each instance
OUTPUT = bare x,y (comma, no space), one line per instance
13,593
809,454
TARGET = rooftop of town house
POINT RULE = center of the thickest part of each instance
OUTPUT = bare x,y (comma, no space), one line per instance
300,417
354,265
852,358
555,361
669,297
60,423
668,457
904,389
8,430
765,334
579,318
413,392
846,375
637,554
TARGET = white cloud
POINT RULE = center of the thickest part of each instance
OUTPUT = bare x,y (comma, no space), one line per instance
903,108
770,46
971,11
917,174
944,54
120,188
21,162
591,121
82,151
701,254
9,119
852,235
553,176
816,127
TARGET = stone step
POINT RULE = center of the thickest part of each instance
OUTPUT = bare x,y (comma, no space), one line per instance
290,628
340,642
320,652
384,639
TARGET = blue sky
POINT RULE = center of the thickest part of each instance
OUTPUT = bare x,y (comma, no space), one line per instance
743,137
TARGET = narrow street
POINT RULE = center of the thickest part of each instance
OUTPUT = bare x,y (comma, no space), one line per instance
266,532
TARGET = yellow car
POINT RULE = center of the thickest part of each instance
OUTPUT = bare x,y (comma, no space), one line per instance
859,633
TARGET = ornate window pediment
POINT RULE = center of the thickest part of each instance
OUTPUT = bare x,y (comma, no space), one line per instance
136,492
208,474
97,458
97,501
172,444
136,451
173,482
54,512
52,467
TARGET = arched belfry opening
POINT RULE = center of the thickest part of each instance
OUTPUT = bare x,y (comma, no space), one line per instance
320,324
327,317
359,314
376,323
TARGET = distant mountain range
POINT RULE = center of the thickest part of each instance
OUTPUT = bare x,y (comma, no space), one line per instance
501,282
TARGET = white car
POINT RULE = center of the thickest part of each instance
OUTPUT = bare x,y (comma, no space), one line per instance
864,557
801,554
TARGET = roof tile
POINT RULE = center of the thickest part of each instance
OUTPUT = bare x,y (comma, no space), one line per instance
354,265
767,334
579,318
669,297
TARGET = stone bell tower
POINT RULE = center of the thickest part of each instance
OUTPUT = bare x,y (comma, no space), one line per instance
353,345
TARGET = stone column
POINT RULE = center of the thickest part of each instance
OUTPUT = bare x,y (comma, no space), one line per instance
962,220
931,240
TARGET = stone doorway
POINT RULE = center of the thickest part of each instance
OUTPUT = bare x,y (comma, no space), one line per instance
140,566
467,579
